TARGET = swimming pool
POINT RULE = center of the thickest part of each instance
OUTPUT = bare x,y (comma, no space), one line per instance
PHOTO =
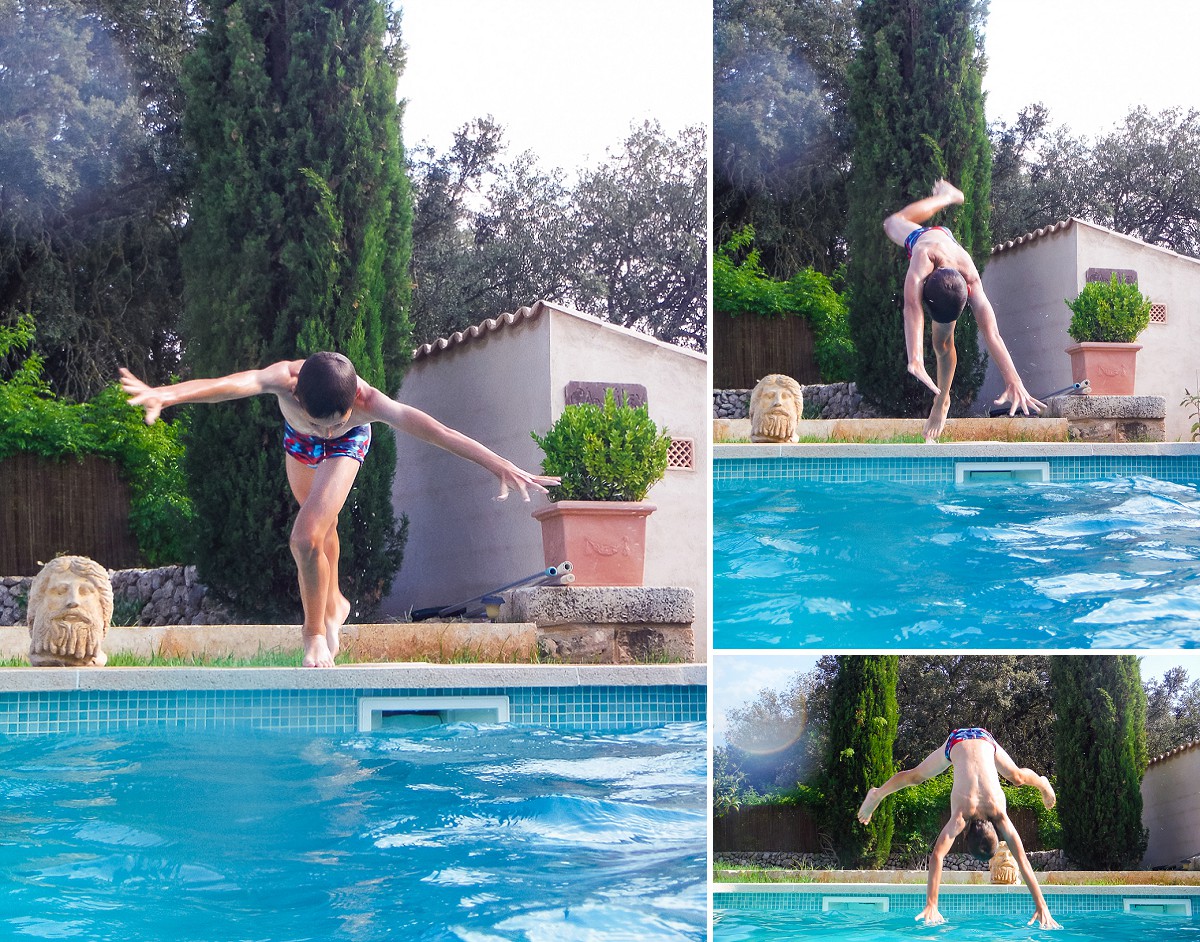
203,814
882,547
880,914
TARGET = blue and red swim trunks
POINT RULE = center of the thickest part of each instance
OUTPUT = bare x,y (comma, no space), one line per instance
917,233
311,451
969,732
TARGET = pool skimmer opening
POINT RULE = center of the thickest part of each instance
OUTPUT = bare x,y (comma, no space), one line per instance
1002,472
1144,905
854,904
408,713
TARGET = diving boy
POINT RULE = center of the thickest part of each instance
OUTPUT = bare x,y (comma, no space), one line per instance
327,411
977,804
942,277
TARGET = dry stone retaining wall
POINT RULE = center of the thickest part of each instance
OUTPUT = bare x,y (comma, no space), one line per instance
170,595
826,401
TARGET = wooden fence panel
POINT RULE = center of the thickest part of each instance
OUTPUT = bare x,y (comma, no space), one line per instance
792,830
748,347
767,829
76,507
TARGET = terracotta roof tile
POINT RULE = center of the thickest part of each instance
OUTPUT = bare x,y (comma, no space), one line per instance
1032,236
1186,747
490,326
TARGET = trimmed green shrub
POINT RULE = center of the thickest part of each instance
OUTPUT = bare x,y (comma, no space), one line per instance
1108,312
604,452
744,288
150,458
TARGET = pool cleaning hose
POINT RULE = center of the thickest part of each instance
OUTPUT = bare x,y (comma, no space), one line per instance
1081,388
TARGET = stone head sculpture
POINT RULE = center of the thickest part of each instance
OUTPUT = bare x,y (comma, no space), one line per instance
1003,865
775,407
70,606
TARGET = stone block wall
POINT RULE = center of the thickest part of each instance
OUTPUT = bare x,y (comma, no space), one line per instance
170,595
821,401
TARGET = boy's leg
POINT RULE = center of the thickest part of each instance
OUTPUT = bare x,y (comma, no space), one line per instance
947,362
901,223
321,492
337,606
1010,772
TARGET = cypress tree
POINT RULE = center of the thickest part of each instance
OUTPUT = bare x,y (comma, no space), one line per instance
863,718
1100,750
299,242
916,101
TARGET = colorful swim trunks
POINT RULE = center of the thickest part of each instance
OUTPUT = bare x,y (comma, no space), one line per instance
917,233
970,732
310,450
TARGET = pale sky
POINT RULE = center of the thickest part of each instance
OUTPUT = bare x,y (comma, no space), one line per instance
566,78
1090,61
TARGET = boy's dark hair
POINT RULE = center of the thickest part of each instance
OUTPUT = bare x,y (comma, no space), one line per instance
981,839
945,294
326,385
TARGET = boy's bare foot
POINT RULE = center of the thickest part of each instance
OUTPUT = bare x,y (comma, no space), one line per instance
334,622
316,652
937,419
947,189
917,368
868,807
1048,797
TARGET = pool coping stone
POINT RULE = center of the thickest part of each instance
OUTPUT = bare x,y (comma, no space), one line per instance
350,677
729,451
1050,889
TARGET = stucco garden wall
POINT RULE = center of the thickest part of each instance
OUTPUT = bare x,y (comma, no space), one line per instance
1028,281
1171,807
499,385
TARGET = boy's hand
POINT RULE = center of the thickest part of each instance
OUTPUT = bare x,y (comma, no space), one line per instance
141,395
512,476
931,917
1016,394
1042,916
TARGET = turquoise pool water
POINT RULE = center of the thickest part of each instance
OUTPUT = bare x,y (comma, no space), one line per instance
464,833
1112,562
973,917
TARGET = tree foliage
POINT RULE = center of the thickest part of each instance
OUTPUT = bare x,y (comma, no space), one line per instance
781,137
917,105
92,184
1100,743
863,716
299,242
1172,712
1006,694
626,241
744,288
1141,177
149,458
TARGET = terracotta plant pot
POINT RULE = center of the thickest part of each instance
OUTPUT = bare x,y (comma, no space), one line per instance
604,540
1108,366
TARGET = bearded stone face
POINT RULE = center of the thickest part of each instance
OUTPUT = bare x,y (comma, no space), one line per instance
70,605
776,405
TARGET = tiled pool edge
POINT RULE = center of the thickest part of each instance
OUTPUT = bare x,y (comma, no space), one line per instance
936,463
959,899
587,698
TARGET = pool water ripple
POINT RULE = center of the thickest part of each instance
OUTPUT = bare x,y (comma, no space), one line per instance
489,833
799,564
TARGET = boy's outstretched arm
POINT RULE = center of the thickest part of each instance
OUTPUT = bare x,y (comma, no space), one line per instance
941,847
375,405
219,389
1041,913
